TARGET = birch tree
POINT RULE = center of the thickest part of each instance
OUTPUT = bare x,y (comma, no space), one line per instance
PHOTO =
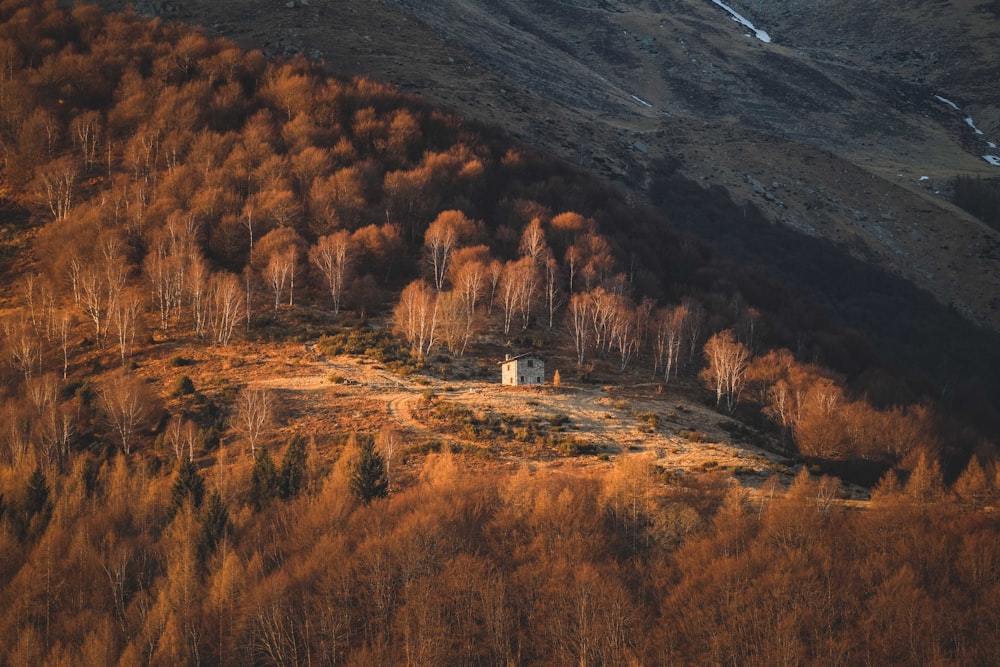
416,316
727,363
332,256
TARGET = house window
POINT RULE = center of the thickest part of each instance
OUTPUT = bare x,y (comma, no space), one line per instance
522,379
531,363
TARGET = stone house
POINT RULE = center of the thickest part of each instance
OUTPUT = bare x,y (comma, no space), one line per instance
524,369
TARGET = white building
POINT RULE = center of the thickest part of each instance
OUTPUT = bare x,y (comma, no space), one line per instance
523,369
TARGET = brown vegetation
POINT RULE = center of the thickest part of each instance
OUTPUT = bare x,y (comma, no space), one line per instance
186,204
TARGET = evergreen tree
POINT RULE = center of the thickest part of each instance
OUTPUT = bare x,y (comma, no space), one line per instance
36,494
264,481
215,525
189,484
35,502
293,468
368,477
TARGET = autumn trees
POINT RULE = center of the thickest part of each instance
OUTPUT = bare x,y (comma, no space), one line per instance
727,363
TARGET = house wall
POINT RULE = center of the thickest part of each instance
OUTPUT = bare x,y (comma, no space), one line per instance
517,372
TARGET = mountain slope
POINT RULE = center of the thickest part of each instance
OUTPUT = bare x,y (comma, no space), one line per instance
832,129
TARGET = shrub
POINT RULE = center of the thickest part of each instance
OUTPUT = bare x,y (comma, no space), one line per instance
573,446
183,386
424,448
648,422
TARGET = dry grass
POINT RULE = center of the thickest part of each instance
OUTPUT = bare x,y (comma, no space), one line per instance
543,425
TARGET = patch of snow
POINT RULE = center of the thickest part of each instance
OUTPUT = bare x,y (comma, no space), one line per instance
991,144
992,159
643,102
925,178
759,34
968,121
947,101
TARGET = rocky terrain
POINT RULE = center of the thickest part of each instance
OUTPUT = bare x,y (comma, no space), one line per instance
846,126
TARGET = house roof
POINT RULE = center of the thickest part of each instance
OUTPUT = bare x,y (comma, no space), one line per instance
526,355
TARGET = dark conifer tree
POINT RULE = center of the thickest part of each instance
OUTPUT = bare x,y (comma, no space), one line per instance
293,468
188,484
215,525
368,477
265,483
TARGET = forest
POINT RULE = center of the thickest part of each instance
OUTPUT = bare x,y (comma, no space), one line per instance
165,192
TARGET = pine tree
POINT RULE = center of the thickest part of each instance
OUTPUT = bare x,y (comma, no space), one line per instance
35,502
368,477
293,468
189,484
36,494
215,525
264,481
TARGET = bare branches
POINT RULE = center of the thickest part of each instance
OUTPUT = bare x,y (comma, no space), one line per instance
254,414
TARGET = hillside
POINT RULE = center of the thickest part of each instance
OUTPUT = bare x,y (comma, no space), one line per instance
834,128
249,330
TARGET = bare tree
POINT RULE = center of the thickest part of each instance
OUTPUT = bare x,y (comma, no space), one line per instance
728,361
469,280
182,435
253,415
670,324
443,235
124,318
57,183
553,293
694,323
494,273
86,129
416,316
165,269
196,288
603,305
517,291
533,243
225,306
92,298
457,320
280,272
64,322
390,443
578,321
332,256
23,345
624,331
127,404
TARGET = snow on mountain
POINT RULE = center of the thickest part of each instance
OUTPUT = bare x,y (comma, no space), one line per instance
759,34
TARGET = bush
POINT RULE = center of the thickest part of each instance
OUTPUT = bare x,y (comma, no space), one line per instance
573,446
648,422
424,448
183,386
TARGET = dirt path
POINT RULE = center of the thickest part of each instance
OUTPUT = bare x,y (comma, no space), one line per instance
400,409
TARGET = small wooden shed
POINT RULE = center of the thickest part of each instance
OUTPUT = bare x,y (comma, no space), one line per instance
524,369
